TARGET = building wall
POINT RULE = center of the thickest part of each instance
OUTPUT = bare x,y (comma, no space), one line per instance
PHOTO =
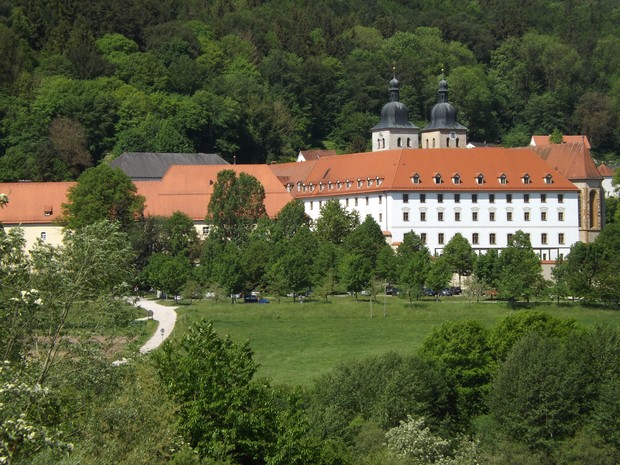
552,224
48,233
388,139
441,139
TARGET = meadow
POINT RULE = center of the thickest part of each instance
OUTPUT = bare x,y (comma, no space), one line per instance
295,343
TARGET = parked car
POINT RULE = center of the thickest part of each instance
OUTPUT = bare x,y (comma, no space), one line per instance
446,292
263,301
429,292
456,290
389,290
250,299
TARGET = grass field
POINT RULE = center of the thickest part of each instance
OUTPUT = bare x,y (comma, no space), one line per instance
295,343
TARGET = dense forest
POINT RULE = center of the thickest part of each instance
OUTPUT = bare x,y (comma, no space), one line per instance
259,80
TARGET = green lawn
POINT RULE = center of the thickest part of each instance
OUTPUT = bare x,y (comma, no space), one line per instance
294,343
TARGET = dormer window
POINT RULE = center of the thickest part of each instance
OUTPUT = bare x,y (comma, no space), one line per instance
526,179
379,181
503,179
289,187
479,178
298,186
339,185
321,186
369,182
359,182
456,178
348,183
48,210
548,179
311,187
330,185
437,178
415,178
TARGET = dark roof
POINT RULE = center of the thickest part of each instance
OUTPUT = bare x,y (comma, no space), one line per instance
152,166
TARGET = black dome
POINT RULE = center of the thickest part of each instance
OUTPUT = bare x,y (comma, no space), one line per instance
394,115
443,114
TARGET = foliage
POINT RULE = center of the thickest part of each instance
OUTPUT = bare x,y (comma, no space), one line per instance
335,223
168,273
224,412
102,193
459,255
413,261
236,205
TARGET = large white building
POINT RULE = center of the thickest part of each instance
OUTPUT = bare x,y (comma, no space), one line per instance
552,193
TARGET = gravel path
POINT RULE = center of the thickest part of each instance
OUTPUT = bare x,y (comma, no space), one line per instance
166,316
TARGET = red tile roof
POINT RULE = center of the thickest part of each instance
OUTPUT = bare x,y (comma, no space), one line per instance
544,140
606,171
33,202
394,169
572,160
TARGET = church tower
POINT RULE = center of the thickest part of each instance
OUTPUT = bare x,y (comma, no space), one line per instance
443,131
394,130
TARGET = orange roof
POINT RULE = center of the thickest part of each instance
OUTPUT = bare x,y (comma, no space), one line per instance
606,171
188,188
316,154
572,160
292,172
544,140
394,169
33,202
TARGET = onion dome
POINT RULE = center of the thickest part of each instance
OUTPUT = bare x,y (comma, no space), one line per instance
443,114
394,114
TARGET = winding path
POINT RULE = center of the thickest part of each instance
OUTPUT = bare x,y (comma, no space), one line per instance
166,316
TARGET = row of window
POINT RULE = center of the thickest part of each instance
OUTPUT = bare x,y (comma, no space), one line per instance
479,178
475,238
491,198
356,202
474,216
347,183
399,142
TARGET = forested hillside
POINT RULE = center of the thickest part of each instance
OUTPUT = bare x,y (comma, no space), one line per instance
260,80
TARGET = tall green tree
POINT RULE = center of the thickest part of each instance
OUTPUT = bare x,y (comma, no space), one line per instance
459,255
102,193
413,260
335,223
520,272
236,205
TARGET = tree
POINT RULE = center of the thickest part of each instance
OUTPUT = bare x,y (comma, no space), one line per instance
289,220
225,413
366,239
459,255
413,259
355,272
540,391
180,236
520,272
236,205
463,349
102,193
335,223
439,275
487,269
168,273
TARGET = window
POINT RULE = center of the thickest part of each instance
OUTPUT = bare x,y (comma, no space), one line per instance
405,198
408,141
508,198
474,238
422,216
492,239
526,216
560,198
543,198
359,182
380,217
456,179
480,179
561,238
457,216
205,230
423,238
526,198
415,178
346,202
399,142
311,205
439,198
509,238
508,216
543,216
356,201
405,216
474,216
380,199
437,178
491,216
543,238
439,216
457,198
43,235
560,216
526,179
491,198
440,238
548,179
474,198
422,198
503,179
367,200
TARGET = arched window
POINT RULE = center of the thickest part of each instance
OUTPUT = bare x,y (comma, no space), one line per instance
448,142
399,142
408,141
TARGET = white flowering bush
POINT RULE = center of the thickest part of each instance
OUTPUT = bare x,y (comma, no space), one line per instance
414,441
19,432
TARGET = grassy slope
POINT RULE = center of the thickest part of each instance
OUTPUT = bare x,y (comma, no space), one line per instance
294,343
